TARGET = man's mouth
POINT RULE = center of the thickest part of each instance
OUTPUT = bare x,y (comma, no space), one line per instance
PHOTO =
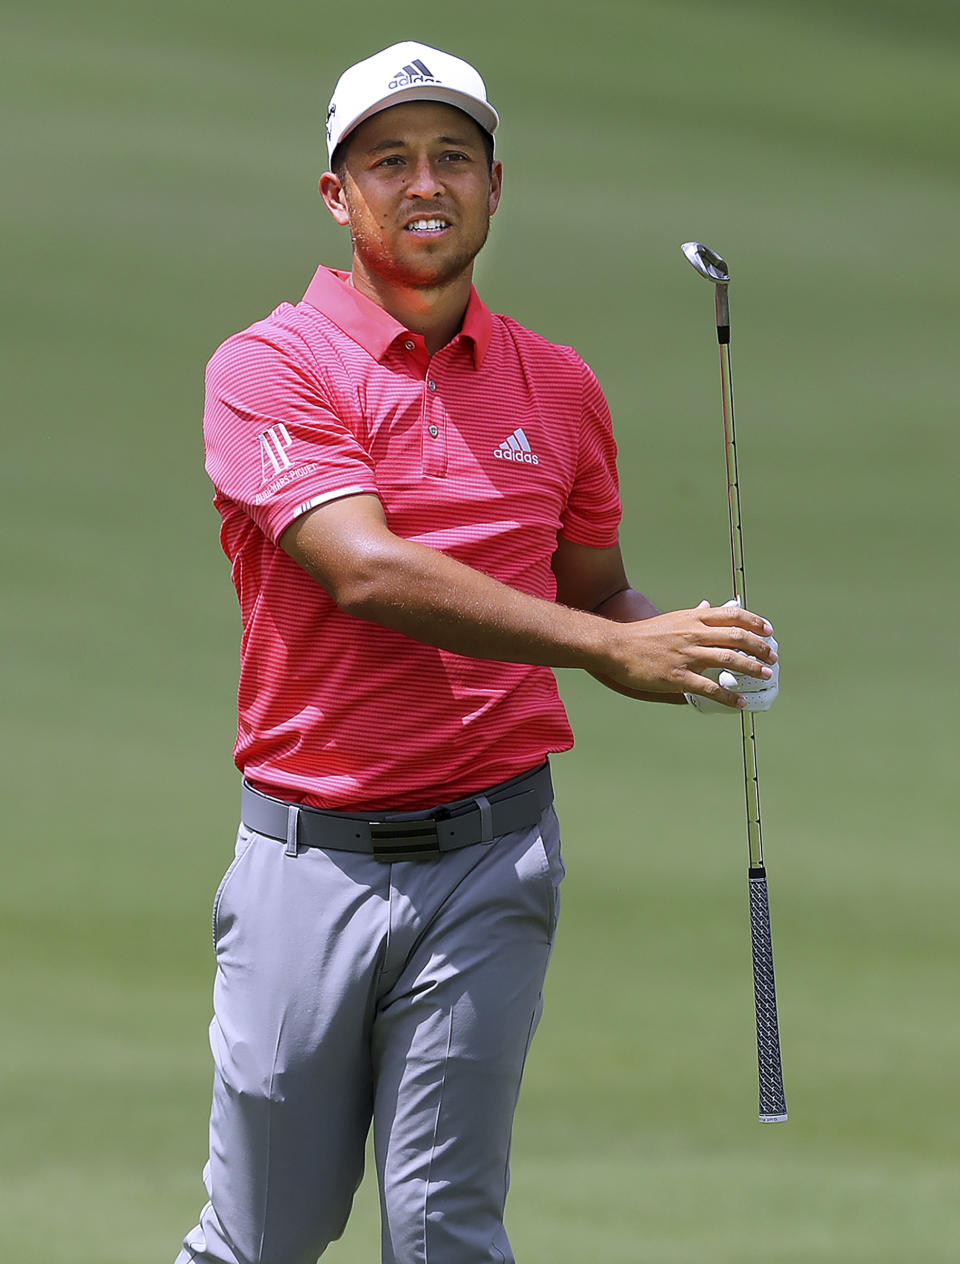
427,226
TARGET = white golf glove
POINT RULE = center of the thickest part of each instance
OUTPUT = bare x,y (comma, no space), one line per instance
758,694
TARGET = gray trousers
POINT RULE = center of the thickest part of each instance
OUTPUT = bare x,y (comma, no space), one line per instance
348,990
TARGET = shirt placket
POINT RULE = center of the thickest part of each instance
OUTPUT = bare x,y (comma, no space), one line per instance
433,421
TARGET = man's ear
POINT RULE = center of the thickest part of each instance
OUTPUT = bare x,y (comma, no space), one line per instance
334,198
496,185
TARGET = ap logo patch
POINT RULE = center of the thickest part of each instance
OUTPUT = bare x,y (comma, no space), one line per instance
273,451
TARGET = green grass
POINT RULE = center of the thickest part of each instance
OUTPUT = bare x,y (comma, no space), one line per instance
159,193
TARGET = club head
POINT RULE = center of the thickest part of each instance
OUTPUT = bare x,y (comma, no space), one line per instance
707,263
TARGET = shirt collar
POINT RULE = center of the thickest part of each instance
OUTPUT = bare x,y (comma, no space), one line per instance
376,330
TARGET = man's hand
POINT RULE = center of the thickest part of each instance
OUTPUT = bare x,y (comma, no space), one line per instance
595,580
758,694
705,653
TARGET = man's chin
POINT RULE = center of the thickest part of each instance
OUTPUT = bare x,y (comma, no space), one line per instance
431,272
438,278
421,269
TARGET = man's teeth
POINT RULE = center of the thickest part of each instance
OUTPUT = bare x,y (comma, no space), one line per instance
426,225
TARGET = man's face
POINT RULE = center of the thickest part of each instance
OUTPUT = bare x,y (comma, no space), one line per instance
417,193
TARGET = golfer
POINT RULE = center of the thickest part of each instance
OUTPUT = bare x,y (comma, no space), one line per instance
419,504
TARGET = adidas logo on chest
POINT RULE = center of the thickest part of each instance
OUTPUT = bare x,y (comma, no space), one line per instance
516,447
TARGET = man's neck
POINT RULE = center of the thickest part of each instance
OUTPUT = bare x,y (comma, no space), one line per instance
435,314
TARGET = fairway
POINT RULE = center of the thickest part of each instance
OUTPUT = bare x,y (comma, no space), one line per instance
160,190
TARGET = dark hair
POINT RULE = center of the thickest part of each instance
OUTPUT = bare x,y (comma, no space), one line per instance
338,159
487,146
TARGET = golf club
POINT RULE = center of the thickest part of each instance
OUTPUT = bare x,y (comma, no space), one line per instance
773,1107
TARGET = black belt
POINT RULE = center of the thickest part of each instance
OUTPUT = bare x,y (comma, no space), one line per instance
388,836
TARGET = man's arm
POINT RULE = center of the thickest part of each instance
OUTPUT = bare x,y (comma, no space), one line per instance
595,580
372,574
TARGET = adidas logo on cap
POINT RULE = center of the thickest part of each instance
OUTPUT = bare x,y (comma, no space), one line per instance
516,447
416,72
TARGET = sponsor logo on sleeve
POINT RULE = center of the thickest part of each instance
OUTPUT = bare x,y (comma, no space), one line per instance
273,451
277,471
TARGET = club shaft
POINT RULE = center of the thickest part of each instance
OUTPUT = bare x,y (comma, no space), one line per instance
751,781
733,475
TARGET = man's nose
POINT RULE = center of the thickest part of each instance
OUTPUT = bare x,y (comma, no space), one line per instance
425,180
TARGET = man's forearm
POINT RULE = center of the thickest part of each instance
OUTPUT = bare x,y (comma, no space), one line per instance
439,601
627,606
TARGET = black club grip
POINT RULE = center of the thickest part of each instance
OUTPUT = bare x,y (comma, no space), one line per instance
773,1106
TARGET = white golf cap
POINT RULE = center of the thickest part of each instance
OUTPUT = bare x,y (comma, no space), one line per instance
405,72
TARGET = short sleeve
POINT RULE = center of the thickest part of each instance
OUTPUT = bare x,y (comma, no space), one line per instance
592,513
274,444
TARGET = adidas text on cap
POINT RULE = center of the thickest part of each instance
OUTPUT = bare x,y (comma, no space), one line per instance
405,72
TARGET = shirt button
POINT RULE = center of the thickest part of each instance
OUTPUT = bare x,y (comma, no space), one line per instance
431,385
432,431
409,345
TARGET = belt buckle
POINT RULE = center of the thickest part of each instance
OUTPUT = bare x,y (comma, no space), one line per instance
404,840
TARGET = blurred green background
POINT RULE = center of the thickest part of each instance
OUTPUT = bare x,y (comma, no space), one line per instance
159,171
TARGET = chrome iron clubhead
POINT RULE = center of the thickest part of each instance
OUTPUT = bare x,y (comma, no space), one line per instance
707,262
713,268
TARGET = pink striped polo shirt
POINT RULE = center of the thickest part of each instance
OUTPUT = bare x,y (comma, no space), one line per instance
488,450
